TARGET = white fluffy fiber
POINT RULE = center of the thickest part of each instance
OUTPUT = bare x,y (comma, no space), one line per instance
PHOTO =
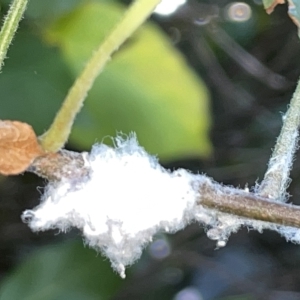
127,198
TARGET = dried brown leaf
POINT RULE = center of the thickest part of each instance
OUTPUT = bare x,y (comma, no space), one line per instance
18,147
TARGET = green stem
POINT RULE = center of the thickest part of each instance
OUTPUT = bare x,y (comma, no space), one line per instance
10,25
277,179
58,133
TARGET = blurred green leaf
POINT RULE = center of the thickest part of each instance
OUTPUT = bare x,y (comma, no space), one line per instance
60,272
33,82
147,87
48,9
42,11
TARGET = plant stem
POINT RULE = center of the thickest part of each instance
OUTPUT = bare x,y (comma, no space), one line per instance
248,205
10,25
71,165
58,133
60,165
276,178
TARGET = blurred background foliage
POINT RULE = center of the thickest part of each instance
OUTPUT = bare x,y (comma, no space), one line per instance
146,79
205,89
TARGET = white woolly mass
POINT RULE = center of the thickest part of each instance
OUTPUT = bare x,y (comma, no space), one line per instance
127,198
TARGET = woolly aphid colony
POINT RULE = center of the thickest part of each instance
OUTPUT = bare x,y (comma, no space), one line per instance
127,198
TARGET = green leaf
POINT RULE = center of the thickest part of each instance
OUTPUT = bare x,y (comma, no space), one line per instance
33,82
60,272
147,87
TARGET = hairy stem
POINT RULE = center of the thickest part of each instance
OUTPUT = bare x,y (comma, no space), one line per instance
58,133
276,178
59,166
10,25
67,164
249,205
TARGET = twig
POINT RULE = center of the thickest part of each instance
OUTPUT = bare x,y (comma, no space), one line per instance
59,166
58,133
248,205
10,25
276,179
71,165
